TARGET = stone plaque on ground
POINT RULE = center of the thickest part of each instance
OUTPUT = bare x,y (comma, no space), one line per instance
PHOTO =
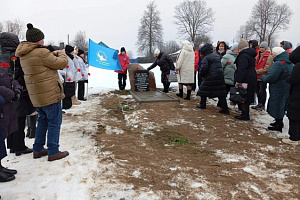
136,67
141,80
153,96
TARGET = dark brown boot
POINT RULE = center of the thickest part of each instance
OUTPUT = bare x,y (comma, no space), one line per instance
58,156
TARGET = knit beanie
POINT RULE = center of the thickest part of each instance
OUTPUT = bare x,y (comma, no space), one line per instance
277,50
34,34
69,48
123,49
243,44
264,45
80,51
157,51
234,46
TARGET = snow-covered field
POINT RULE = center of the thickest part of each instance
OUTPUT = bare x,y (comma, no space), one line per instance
73,177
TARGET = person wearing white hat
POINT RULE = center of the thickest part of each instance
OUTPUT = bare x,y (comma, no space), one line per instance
166,64
278,87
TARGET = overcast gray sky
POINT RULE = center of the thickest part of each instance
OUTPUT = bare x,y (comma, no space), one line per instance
116,21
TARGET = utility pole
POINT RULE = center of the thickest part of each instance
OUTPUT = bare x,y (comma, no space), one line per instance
68,39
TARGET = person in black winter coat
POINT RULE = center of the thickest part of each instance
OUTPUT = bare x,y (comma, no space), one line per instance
213,84
166,64
16,141
293,107
246,76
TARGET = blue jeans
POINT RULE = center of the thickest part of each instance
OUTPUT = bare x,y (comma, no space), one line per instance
49,119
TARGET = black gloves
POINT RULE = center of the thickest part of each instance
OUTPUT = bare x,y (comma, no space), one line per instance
17,95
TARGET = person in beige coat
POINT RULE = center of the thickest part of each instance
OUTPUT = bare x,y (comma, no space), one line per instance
45,90
185,69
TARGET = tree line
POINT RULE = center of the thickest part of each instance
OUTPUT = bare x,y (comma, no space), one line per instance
194,21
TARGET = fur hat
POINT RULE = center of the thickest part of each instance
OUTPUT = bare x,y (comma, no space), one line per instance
34,34
80,51
243,44
277,50
69,48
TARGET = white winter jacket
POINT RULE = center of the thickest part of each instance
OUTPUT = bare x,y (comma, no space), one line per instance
71,71
83,68
185,64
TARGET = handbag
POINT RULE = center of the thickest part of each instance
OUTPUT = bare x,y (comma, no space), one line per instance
238,94
172,76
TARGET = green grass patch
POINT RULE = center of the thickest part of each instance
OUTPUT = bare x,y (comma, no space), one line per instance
180,140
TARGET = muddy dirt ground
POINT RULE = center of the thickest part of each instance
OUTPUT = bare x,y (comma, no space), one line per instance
176,151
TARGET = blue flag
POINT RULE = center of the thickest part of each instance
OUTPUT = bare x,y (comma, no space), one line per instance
103,57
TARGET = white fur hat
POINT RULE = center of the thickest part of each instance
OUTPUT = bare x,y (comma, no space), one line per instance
277,50
157,51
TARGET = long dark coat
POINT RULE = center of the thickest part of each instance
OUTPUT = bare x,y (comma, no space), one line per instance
293,107
278,87
8,119
9,43
213,84
245,73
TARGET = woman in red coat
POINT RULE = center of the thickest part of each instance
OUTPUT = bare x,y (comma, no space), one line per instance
122,75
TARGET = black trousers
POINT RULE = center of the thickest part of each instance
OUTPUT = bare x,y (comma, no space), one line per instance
199,80
16,140
122,81
228,87
261,92
222,102
195,81
3,153
80,90
31,124
294,130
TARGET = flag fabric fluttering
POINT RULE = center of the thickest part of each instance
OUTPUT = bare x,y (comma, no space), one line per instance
103,57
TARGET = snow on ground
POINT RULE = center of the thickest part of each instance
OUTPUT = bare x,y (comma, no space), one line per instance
69,178
73,177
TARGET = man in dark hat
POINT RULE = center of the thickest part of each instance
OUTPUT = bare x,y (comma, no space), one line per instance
45,91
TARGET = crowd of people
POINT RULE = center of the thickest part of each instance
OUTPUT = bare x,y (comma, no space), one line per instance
248,65
37,83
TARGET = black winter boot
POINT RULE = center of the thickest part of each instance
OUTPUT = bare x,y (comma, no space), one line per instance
180,94
278,125
188,95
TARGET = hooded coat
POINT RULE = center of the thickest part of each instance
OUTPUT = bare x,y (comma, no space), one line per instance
185,64
245,72
213,84
229,67
8,119
278,87
9,43
40,68
225,49
287,46
293,108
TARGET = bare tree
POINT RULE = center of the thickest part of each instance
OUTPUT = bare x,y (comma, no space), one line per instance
150,31
16,27
245,32
171,47
202,39
268,18
193,18
80,40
